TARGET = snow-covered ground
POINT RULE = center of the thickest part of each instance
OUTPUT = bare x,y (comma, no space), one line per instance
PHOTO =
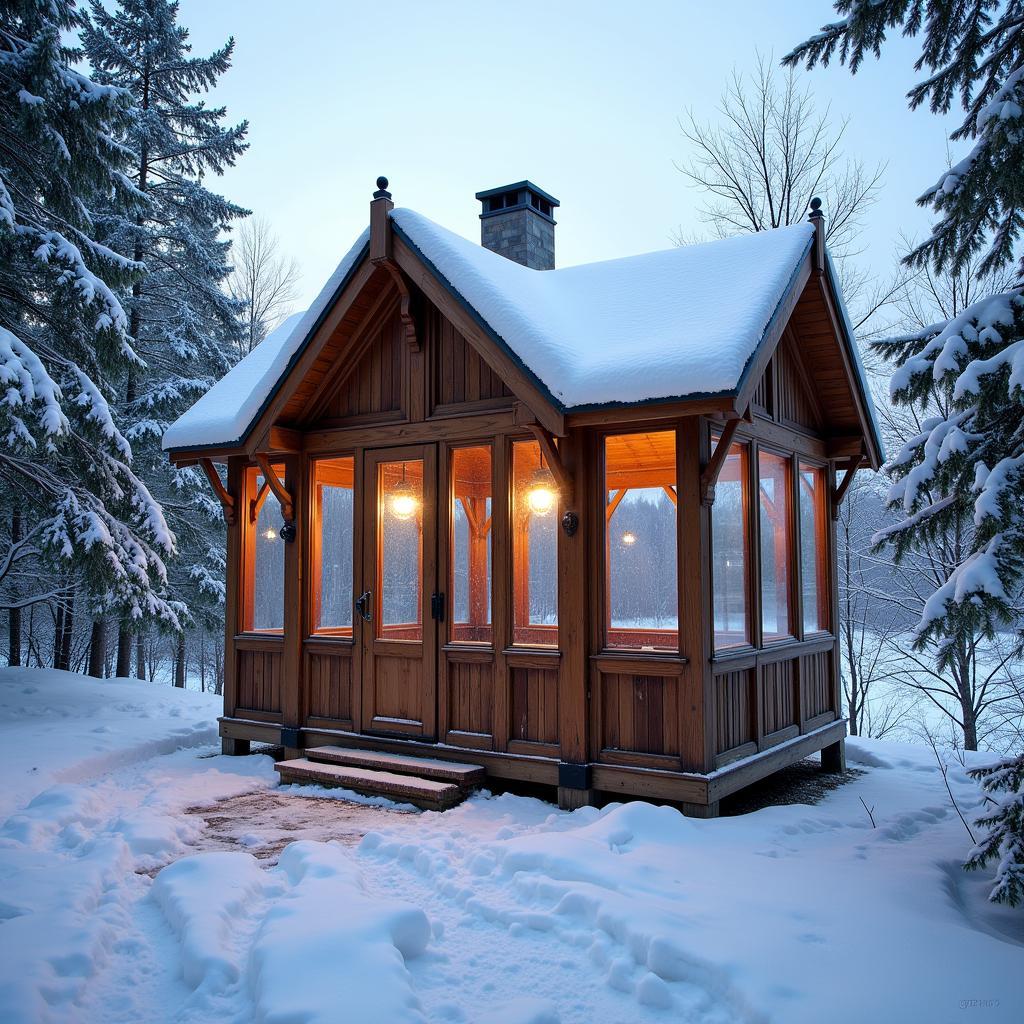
145,878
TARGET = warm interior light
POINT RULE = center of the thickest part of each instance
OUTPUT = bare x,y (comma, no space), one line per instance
629,538
404,501
270,533
541,495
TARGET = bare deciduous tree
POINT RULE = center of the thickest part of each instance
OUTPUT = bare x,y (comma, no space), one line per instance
263,279
766,155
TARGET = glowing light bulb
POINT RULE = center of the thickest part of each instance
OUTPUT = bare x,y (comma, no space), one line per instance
629,538
404,502
270,533
541,495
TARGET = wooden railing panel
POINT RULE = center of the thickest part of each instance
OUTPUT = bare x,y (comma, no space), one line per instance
329,684
533,705
258,677
734,709
640,714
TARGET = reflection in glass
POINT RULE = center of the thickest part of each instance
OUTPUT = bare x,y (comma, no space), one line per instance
534,548
640,541
471,545
400,565
729,549
773,485
266,606
812,547
333,502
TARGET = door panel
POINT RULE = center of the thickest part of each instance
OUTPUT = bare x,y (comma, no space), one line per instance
398,637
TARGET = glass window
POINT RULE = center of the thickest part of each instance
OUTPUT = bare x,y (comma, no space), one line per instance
729,550
642,596
400,536
773,501
264,598
813,576
471,545
333,496
534,547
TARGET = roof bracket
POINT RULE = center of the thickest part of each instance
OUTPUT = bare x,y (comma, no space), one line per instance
404,309
839,491
227,500
562,476
280,491
709,476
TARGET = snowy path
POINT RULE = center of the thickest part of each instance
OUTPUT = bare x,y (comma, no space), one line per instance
121,902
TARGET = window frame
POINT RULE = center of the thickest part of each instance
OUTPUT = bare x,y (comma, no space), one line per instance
794,611
825,568
247,563
313,547
508,523
752,572
492,444
601,620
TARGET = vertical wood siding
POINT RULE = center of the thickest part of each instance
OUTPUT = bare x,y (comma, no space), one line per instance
259,680
329,685
640,714
534,705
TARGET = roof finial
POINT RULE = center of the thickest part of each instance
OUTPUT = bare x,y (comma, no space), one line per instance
382,189
817,218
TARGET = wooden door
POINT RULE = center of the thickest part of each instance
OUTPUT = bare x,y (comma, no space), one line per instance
397,633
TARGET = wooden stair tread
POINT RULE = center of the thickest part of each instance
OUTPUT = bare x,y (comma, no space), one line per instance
423,767
428,793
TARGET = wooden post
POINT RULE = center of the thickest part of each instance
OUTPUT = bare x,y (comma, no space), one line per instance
833,757
292,703
573,619
232,603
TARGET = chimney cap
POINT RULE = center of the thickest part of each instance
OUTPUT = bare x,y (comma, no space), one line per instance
517,186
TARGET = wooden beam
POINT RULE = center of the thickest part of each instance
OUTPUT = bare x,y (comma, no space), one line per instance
226,498
562,477
280,492
839,492
255,504
405,301
284,440
709,476
614,503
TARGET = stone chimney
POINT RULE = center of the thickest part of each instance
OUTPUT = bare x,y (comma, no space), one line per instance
517,222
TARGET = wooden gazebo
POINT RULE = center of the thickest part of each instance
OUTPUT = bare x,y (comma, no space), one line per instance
573,527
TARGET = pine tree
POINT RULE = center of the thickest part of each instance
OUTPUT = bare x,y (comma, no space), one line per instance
1003,784
81,518
965,469
185,324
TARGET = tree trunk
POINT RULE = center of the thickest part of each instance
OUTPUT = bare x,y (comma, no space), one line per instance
64,636
140,655
124,652
58,631
14,615
179,663
98,649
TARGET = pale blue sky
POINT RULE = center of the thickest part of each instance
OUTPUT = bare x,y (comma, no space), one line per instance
449,98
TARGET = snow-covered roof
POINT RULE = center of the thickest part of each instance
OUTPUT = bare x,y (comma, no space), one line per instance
225,413
668,324
673,324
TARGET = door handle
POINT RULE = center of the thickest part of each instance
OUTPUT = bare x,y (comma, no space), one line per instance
437,607
363,605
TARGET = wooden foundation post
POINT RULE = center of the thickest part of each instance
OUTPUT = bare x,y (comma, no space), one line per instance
572,799
701,810
233,747
833,757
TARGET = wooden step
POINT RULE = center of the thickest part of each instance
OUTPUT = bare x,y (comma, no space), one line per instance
426,793
465,775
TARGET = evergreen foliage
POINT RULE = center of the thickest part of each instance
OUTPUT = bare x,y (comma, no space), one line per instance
185,324
1003,784
80,514
963,473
